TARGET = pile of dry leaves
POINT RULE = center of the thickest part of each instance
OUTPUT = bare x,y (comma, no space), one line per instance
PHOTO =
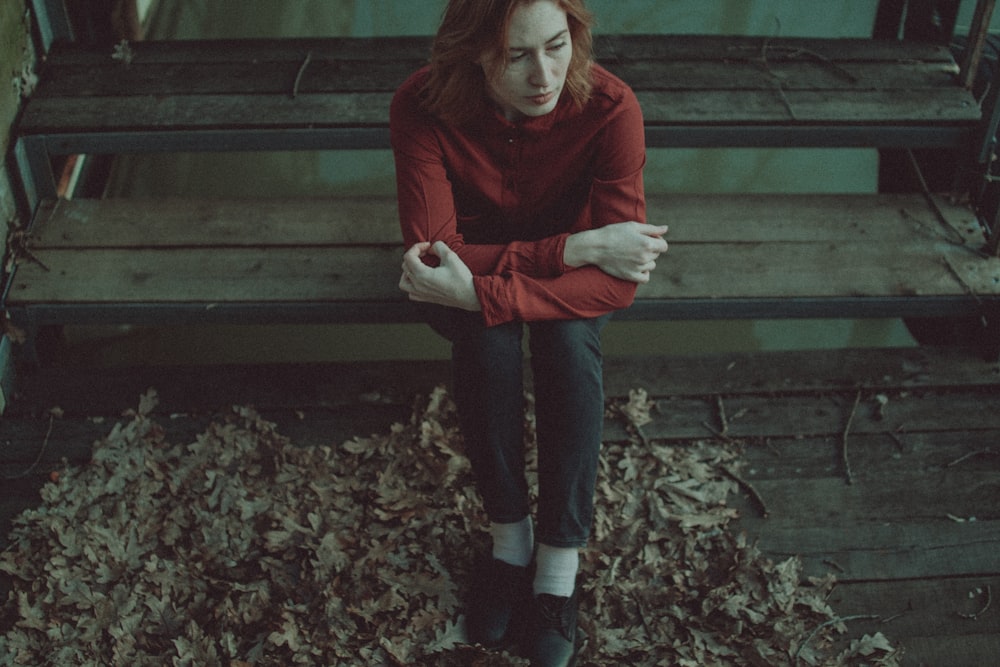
241,548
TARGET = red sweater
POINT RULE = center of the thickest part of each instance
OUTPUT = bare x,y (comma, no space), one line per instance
506,195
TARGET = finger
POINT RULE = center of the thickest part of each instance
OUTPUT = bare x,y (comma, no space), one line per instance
416,249
441,249
412,262
654,230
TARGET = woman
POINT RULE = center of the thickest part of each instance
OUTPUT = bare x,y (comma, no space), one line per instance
519,177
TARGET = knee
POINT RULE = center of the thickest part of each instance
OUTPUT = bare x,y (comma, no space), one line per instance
569,337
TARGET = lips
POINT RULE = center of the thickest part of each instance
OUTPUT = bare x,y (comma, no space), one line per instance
542,100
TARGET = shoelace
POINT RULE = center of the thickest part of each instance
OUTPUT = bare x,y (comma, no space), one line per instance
551,613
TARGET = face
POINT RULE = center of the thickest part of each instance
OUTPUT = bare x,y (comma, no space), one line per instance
537,58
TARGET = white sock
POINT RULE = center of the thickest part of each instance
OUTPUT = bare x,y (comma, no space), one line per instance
555,570
513,543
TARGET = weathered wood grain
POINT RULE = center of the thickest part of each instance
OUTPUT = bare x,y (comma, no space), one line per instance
344,82
104,392
358,220
328,75
924,617
818,270
883,551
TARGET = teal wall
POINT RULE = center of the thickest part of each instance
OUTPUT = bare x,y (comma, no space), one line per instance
332,172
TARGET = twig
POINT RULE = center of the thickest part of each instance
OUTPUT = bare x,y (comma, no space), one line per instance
298,75
849,475
770,446
833,621
41,452
714,431
956,236
896,439
971,455
757,499
965,285
901,614
834,564
961,281
18,242
723,422
779,85
642,435
795,51
989,601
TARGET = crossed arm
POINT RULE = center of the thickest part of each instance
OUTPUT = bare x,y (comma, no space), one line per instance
625,250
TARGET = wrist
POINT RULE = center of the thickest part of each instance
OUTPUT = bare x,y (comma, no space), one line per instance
472,301
577,251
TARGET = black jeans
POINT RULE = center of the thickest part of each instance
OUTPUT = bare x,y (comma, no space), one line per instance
488,387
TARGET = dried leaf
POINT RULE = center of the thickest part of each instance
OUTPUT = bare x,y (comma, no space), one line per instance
239,547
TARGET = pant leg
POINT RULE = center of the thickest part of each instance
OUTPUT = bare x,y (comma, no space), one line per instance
488,389
569,411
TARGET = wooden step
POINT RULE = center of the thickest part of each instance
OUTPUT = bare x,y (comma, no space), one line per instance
334,93
328,260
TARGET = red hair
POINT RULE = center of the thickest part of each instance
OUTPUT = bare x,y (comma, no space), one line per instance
475,31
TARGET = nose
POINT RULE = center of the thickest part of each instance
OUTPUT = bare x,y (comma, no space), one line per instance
540,75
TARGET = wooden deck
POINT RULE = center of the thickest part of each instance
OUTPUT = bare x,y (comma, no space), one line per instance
880,466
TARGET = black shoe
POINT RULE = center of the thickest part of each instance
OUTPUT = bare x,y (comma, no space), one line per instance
500,590
554,631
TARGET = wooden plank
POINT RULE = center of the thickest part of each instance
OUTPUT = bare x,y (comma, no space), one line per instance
90,392
818,469
895,452
680,418
210,276
174,113
751,47
291,49
818,270
329,76
878,496
255,78
773,106
649,75
306,274
292,274
790,371
129,223
720,80
939,649
880,551
921,608
371,109
186,389
608,47
956,420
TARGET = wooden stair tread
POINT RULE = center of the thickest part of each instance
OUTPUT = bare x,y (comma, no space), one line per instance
208,253
704,81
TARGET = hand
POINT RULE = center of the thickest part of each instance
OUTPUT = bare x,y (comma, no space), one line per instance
447,284
626,250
